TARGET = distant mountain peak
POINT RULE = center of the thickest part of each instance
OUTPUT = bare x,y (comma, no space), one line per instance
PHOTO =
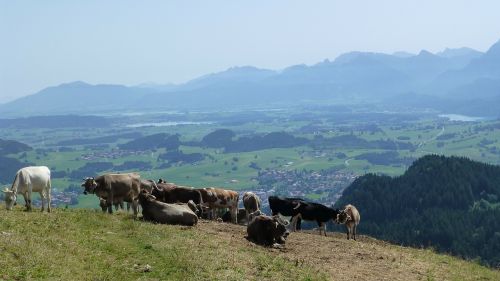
425,53
458,52
494,50
403,54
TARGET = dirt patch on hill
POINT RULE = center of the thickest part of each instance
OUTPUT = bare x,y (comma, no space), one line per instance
342,259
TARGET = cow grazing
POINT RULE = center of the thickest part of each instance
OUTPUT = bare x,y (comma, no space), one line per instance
115,188
159,212
315,212
242,216
350,217
285,207
28,180
266,230
251,202
217,198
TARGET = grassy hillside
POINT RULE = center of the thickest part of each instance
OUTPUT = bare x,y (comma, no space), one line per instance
88,245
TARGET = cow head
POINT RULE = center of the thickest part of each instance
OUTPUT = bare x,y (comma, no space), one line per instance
145,196
280,231
10,198
342,217
90,185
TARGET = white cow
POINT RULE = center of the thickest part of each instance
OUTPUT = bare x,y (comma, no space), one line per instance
28,180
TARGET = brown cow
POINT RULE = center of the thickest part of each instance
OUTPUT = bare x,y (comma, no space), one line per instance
266,230
159,212
217,198
242,216
104,206
350,217
171,193
115,188
251,202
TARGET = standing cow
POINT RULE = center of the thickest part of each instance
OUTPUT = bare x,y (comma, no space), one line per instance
217,198
251,202
315,212
350,217
285,207
28,180
115,188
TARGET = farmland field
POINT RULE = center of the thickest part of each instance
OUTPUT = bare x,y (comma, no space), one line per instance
328,148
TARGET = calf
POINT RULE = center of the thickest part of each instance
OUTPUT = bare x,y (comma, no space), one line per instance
285,207
159,212
217,198
314,212
350,217
104,206
267,231
242,216
251,202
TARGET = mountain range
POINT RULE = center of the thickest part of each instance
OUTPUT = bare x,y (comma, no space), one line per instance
455,81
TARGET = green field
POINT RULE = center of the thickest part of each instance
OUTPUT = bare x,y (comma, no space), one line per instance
427,134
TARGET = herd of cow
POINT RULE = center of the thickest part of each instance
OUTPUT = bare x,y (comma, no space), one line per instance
163,202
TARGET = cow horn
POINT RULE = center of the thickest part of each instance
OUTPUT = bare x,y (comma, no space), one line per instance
296,207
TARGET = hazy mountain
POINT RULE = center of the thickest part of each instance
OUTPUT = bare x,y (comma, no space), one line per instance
76,97
453,75
486,66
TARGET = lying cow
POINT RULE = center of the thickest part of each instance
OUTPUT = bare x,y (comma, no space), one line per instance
159,212
28,180
217,198
115,188
314,212
285,207
267,231
251,202
350,217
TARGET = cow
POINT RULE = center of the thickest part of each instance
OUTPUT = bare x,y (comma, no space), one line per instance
118,205
159,212
217,198
285,207
350,217
28,180
242,216
251,202
171,193
115,188
267,231
314,212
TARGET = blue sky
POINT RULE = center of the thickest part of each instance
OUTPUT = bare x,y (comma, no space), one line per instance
46,43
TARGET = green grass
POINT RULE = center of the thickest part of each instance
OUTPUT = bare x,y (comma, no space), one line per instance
89,245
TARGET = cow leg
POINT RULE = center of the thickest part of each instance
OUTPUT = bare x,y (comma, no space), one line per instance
28,205
294,222
109,203
234,214
49,197
42,197
135,207
354,232
347,229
